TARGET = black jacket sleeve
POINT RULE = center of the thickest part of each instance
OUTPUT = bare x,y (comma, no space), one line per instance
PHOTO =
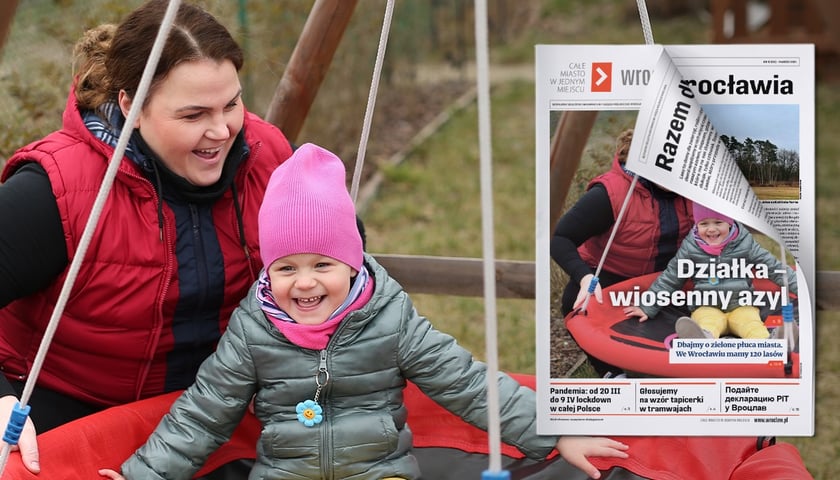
592,215
32,248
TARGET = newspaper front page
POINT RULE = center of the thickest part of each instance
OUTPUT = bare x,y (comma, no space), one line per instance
729,127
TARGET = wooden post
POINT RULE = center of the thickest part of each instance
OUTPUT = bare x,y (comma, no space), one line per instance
831,19
308,64
737,10
7,16
567,146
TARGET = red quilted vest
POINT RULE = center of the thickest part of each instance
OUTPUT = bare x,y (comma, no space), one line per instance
633,250
114,331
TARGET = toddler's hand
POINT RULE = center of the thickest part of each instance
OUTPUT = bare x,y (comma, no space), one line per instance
108,473
636,312
575,450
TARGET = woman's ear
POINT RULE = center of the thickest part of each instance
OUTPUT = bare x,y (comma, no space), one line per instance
125,105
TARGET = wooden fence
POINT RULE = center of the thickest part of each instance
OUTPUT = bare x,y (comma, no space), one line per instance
462,276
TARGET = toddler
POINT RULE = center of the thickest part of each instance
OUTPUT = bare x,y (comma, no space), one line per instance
324,344
717,239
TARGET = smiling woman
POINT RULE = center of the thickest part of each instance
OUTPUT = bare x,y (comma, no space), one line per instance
177,237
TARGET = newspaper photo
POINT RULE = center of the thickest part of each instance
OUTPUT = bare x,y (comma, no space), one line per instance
675,239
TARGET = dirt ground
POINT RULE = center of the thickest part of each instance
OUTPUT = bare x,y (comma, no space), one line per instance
401,113
566,356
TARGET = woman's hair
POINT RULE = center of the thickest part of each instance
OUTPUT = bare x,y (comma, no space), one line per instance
112,58
622,145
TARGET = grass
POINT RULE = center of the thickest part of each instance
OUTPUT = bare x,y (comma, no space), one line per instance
443,217
777,193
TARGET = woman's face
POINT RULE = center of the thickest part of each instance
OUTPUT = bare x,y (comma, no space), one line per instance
192,118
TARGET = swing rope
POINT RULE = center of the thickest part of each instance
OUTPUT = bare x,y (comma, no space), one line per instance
21,411
648,34
494,472
643,17
374,88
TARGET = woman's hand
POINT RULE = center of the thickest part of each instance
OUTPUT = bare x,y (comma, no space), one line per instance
584,289
28,442
575,450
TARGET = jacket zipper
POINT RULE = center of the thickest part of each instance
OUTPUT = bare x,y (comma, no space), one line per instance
200,255
323,377
167,274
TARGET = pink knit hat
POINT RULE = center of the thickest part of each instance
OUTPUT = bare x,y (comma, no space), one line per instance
701,213
307,209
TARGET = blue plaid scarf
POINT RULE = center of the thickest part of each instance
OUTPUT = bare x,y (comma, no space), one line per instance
108,131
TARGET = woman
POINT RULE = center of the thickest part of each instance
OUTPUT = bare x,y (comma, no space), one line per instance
654,224
176,246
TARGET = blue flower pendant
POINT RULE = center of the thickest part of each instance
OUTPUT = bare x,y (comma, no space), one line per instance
309,413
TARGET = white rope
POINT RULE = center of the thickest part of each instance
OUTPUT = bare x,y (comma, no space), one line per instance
485,156
93,219
648,34
374,87
787,307
643,16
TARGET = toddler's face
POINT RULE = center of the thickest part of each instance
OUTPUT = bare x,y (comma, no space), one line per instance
713,230
309,287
